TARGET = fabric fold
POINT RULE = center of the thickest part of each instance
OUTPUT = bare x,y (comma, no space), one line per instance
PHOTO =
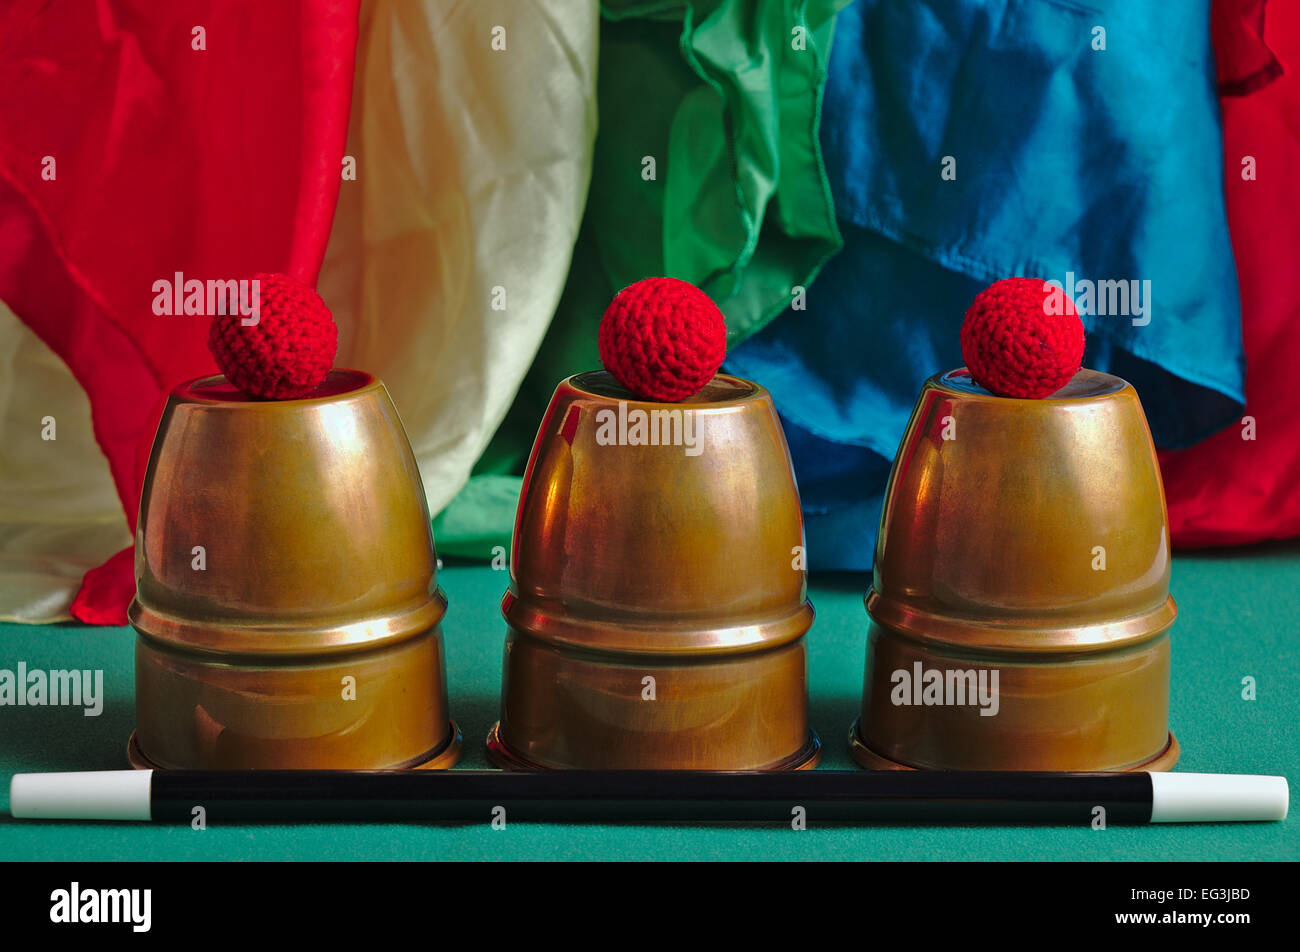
472,136
138,142
707,168
970,140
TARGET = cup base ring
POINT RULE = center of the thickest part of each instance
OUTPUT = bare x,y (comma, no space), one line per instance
502,756
440,758
871,760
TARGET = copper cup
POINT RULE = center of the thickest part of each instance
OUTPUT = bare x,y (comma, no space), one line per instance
658,599
1027,538
287,608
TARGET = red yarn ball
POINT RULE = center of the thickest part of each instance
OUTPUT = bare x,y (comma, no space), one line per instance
290,349
663,339
1022,338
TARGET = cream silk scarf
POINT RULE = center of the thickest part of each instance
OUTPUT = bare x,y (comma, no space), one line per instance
472,128
59,512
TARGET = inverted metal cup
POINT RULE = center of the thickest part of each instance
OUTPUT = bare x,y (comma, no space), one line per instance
287,610
1025,540
658,599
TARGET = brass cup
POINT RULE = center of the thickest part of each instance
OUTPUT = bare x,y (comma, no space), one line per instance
1030,538
287,609
658,600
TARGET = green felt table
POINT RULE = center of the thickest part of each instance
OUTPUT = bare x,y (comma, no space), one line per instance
1237,618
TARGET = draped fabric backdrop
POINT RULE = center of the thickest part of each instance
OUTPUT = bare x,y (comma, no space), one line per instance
450,250
1070,157
468,153
785,155
1243,484
707,168
60,516
1101,160
972,140
138,140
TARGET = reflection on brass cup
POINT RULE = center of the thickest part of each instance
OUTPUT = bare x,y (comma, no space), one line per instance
658,598
1027,542
286,605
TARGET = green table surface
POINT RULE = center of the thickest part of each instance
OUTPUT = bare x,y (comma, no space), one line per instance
1237,618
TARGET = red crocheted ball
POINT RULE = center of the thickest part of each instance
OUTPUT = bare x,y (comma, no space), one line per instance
663,339
1022,338
287,352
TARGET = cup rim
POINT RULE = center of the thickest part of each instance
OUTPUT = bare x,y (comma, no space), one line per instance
747,392
959,381
339,382
257,636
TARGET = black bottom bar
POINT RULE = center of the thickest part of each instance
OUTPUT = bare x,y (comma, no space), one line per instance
924,902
